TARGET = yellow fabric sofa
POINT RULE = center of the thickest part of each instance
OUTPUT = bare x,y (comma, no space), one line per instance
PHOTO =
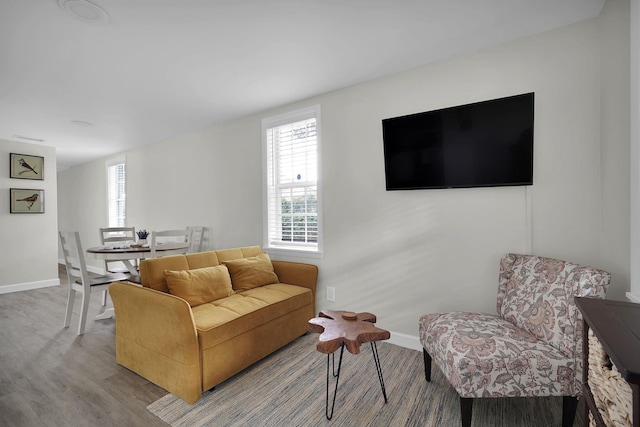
187,346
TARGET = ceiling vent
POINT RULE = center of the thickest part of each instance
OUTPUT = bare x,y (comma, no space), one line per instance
82,123
85,11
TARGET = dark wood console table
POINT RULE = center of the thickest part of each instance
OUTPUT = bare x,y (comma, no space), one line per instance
615,326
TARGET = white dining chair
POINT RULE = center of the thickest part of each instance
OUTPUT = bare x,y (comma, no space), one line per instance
196,238
79,279
168,236
115,235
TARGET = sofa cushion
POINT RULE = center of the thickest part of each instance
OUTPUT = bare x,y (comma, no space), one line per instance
223,319
152,269
199,285
236,253
202,259
251,272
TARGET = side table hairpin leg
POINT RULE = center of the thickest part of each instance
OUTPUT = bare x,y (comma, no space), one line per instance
376,359
337,377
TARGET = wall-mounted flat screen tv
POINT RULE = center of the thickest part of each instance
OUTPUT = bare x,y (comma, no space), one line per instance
484,144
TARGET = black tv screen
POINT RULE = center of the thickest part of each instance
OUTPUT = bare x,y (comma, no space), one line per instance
484,144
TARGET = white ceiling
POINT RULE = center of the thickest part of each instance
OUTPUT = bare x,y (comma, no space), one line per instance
140,71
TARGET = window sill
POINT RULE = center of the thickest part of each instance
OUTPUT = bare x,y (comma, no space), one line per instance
292,253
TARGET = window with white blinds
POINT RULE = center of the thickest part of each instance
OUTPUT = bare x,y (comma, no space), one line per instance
292,196
116,194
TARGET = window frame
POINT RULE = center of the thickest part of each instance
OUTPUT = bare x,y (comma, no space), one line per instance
273,122
108,165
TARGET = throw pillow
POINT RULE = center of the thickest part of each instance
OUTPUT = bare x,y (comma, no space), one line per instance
251,272
199,285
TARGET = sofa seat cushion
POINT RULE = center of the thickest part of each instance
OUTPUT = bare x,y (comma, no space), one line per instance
483,355
223,319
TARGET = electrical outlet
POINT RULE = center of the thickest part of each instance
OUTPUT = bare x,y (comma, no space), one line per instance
331,293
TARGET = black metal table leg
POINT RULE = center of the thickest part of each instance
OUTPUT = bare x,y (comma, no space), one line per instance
337,377
376,359
333,363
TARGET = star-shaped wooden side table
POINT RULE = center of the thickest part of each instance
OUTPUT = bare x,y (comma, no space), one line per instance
340,329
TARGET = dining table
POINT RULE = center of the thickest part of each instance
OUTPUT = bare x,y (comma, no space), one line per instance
126,253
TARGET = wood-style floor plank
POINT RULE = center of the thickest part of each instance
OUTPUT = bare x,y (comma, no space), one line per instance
49,376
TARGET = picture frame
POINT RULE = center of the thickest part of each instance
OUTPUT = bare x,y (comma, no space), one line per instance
25,166
27,200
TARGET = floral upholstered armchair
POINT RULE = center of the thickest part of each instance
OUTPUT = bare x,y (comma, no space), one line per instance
531,347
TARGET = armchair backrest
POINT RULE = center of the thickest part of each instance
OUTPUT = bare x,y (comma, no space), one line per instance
537,294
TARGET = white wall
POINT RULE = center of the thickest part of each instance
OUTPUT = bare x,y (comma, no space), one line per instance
402,254
210,178
634,183
615,143
29,241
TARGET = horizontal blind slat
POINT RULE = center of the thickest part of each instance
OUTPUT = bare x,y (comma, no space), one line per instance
292,177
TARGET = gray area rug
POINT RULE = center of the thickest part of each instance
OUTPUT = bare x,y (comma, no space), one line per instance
288,388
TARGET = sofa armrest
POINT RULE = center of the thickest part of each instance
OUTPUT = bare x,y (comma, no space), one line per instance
156,337
295,273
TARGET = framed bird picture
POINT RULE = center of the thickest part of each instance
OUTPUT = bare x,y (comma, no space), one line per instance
26,200
24,166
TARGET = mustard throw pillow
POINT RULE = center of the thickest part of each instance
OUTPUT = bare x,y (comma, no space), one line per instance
251,272
199,285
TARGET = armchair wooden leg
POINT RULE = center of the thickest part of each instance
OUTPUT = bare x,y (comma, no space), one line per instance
569,405
466,408
427,365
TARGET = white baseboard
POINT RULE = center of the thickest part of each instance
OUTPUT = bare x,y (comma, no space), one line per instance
406,341
633,297
7,289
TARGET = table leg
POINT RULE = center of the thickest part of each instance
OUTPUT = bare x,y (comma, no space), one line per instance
107,314
337,377
376,359
132,268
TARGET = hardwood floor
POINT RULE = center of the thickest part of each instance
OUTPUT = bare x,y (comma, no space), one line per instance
49,376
